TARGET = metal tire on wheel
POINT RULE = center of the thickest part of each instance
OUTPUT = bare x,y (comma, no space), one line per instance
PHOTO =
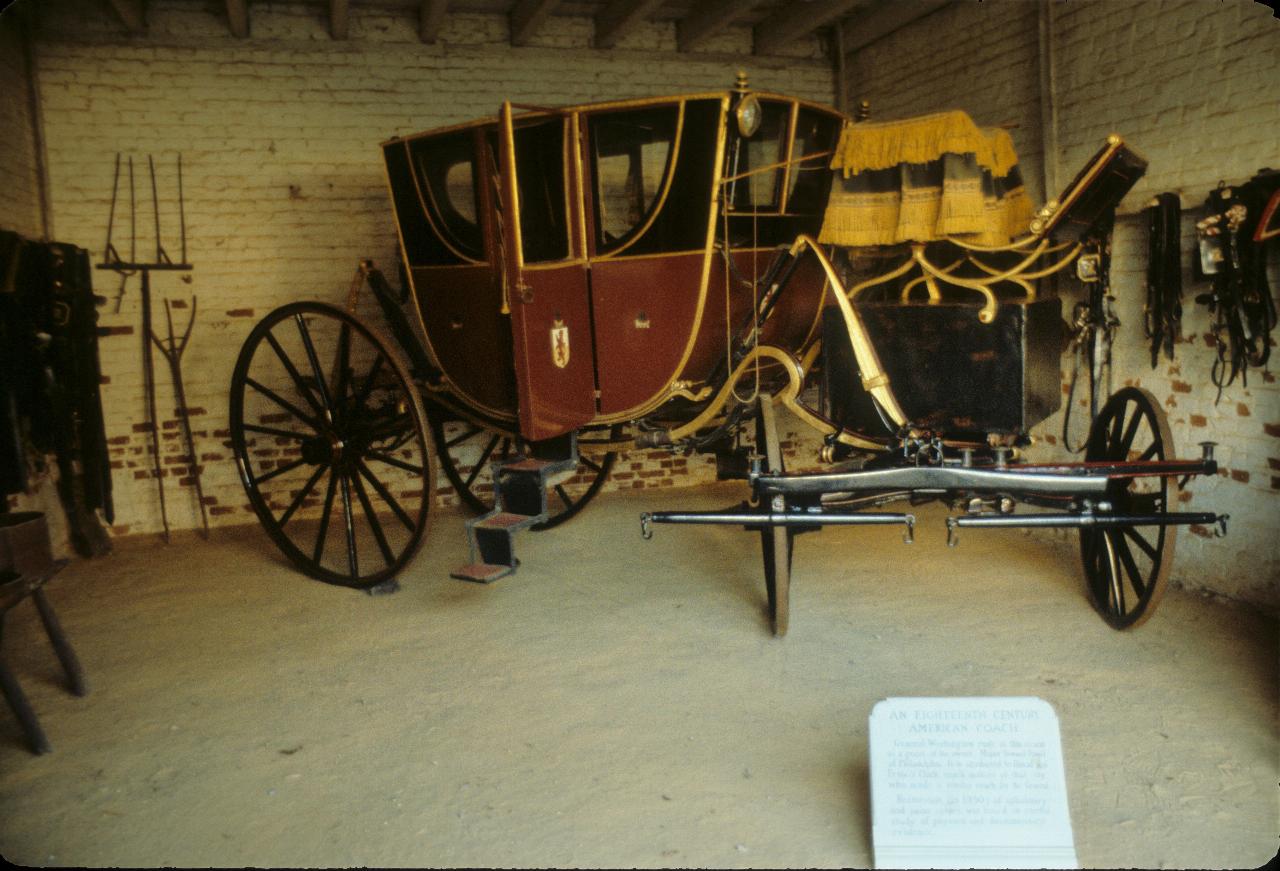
324,414
1126,568
467,450
775,541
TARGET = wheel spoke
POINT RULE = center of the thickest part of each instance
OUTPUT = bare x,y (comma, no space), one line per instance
564,497
386,495
373,521
393,461
462,438
479,466
593,466
353,559
303,387
325,399
1143,545
343,361
1113,573
283,403
280,470
1113,437
318,553
302,494
1152,450
1131,567
1126,441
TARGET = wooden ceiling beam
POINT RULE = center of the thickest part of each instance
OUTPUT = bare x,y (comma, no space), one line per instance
430,17
339,19
527,16
878,21
619,17
238,18
797,20
708,19
132,14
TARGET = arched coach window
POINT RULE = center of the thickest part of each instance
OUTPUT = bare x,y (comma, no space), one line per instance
632,152
446,171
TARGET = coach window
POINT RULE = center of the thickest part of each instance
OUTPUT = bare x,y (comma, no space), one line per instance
632,155
446,171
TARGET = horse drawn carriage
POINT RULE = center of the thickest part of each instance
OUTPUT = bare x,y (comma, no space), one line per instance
663,274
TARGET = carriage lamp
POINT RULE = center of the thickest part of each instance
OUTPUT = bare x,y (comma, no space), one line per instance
748,115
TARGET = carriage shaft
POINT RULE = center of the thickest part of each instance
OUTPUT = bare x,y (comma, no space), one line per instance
743,517
1084,521
933,479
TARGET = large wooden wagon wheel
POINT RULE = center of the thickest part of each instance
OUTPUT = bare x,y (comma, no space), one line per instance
468,450
1126,568
775,541
331,443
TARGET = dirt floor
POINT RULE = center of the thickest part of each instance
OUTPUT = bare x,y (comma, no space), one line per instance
616,703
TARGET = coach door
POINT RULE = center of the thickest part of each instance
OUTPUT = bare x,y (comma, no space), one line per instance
545,282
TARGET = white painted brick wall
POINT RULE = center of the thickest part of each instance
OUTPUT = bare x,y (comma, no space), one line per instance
1195,87
283,177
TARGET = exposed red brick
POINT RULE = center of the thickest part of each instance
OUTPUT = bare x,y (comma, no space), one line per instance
1181,387
117,464
1268,377
222,433
1242,409
123,330
1240,475
191,412
1203,532
1209,340
1273,463
211,458
1199,420
1184,495
1050,439
1275,483
142,427
118,440
1272,429
240,313
219,510
104,379
169,424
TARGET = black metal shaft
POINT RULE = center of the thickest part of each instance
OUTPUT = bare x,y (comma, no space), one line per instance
1085,521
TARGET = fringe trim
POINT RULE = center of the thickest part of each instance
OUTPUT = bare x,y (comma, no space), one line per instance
925,215
880,145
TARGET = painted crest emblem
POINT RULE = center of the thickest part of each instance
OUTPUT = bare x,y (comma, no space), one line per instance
560,344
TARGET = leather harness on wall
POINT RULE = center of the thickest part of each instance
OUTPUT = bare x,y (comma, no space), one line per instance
1163,321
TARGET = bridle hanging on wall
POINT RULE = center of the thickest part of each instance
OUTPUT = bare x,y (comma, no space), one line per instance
1240,300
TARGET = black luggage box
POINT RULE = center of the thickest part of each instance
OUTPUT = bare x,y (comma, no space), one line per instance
949,372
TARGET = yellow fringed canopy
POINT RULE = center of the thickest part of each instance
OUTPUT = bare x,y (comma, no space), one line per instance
923,179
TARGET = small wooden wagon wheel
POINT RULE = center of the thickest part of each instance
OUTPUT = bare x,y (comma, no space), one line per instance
331,443
1126,568
468,450
775,541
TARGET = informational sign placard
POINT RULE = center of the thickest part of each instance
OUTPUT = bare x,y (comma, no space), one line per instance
968,783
